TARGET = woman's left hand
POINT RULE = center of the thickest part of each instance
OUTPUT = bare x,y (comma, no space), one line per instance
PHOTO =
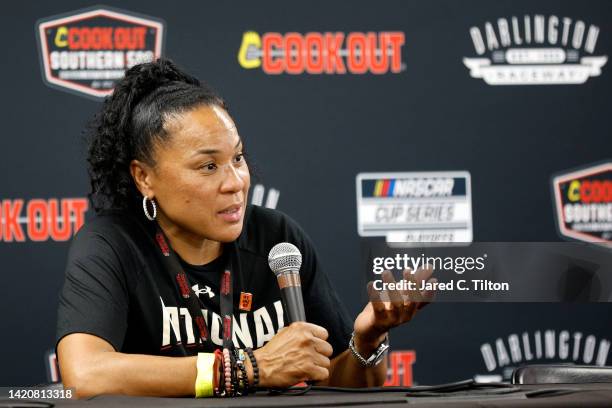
390,308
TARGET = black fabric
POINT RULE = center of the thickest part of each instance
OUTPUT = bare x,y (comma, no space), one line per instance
116,288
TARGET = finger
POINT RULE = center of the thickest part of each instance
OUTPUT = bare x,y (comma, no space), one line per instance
423,274
317,373
323,347
428,295
412,295
409,311
394,295
317,331
374,296
321,360
407,275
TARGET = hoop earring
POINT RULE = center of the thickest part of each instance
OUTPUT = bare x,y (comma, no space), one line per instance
146,209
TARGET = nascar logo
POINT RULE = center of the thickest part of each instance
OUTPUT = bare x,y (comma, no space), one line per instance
323,53
431,187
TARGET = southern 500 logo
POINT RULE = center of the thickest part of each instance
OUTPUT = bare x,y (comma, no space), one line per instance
323,53
535,50
583,203
88,51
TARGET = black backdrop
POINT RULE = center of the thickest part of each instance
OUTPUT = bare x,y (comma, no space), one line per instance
310,135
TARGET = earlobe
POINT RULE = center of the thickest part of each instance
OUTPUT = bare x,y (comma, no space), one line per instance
140,175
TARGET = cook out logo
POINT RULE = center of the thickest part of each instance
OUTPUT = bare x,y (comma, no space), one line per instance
399,368
583,203
88,51
41,220
535,50
323,53
258,193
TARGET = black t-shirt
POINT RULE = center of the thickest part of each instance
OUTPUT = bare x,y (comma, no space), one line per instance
116,288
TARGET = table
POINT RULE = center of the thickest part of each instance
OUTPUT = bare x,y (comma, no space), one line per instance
558,395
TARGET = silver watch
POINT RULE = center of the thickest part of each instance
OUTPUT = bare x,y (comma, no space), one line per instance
376,357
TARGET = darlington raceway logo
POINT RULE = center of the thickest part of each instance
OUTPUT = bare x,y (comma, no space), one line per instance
583,203
541,347
323,53
415,207
535,50
41,220
88,51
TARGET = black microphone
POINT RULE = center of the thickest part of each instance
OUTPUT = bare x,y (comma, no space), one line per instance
285,261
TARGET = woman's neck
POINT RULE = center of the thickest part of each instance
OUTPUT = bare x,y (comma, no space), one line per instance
192,248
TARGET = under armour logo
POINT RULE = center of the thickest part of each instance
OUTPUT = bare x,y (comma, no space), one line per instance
206,291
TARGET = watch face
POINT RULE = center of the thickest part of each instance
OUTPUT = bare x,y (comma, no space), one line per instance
380,353
376,356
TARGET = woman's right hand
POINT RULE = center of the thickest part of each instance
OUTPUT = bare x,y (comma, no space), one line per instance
296,353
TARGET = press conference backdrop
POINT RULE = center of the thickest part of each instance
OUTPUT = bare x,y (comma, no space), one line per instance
402,87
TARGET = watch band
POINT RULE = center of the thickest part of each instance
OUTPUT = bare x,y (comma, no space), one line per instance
376,356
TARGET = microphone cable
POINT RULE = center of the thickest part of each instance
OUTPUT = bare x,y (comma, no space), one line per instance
415,391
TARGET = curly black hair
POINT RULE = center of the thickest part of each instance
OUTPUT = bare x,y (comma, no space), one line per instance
131,121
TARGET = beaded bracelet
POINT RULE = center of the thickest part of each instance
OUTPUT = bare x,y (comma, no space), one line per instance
255,369
227,370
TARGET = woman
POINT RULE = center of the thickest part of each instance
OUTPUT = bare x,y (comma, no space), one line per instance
174,266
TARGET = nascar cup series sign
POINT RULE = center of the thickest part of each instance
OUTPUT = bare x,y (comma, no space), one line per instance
418,207
583,203
87,51
535,50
